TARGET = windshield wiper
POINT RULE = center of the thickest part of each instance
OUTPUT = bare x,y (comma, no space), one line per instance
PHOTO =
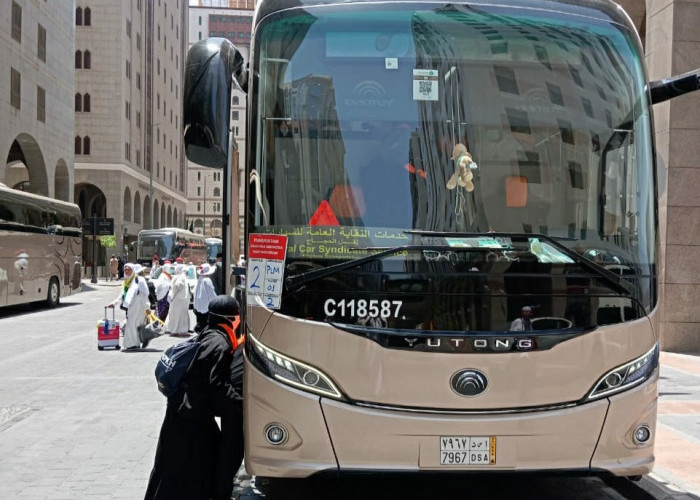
297,281
615,281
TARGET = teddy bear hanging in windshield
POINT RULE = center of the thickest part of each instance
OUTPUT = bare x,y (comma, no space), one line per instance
463,175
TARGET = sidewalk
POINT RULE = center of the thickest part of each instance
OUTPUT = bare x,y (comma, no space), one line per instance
677,470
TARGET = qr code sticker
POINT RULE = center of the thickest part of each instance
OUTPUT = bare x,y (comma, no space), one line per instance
425,88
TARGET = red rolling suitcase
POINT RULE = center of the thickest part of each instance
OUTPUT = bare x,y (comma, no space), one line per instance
108,332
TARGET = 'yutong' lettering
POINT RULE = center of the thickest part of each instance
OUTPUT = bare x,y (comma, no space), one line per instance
480,344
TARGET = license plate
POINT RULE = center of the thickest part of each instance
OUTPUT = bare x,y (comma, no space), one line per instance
467,450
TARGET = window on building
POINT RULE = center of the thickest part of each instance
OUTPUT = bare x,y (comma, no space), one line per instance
78,16
78,102
86,145
199,191
86,103
138,41
15,88
88,17
235,100
128,28
200,35
217,192
16,22
86,59
199,206
128,70
138,119
40,104
199,176
41,43
77,145
138,80
234,115
138,157
200,20
78,59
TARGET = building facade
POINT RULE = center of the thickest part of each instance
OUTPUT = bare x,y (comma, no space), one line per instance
129,153
36,129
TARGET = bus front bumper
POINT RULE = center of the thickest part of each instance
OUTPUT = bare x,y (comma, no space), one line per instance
324,435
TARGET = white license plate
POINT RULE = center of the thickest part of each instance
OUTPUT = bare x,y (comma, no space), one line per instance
467,450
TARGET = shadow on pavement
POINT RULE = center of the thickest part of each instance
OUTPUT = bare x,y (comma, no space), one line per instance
32,307
657,488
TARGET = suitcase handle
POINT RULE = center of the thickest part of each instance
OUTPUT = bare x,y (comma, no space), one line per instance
113,319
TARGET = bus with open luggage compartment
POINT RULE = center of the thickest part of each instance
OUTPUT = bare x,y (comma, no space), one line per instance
418,175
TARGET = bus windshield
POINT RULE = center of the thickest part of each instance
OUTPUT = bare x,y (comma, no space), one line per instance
161,244
455,121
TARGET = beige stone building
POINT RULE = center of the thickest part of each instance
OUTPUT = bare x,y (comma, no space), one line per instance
36,124
669,31
129,154
231,19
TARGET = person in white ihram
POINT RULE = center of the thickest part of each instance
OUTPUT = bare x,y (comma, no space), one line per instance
134,300
203,294
178,321
522,324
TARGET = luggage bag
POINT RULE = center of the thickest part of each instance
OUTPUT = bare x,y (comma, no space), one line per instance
108,332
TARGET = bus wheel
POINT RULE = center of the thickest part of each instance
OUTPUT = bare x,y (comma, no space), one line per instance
282,488
54,294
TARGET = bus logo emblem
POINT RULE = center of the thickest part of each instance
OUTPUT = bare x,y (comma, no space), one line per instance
469,382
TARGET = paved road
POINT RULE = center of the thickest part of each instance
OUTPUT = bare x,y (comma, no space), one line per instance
78,423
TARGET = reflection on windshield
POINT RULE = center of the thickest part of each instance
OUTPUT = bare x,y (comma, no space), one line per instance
449,120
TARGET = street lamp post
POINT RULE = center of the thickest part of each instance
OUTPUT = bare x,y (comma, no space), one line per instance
204,227
150,177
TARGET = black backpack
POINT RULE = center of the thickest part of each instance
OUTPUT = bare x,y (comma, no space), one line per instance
174,364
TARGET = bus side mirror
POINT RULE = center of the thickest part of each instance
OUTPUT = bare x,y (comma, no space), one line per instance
668,88
213,66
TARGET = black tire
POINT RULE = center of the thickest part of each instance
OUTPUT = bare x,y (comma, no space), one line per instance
53,294
100,348
118,347
281,488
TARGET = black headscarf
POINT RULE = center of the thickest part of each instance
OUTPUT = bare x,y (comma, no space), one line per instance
222,309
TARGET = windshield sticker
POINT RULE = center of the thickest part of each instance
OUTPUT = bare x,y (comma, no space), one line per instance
425,85
362,310
474,242
265,275
337,242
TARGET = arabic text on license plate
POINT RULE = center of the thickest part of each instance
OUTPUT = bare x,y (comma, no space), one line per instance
467,450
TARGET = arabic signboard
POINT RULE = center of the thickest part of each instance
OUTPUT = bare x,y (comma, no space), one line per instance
338,242
100,226
264,279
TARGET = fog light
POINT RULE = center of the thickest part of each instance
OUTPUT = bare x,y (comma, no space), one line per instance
275,434
642,434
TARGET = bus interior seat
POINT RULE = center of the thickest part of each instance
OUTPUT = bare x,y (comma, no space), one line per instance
608,315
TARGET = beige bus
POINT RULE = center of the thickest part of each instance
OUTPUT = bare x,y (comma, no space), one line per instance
40,248
441,199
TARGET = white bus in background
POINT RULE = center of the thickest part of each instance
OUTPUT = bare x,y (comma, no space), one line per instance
169,243
213,249
40,248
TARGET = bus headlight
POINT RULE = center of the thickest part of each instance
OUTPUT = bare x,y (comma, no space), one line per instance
626,376
290,371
